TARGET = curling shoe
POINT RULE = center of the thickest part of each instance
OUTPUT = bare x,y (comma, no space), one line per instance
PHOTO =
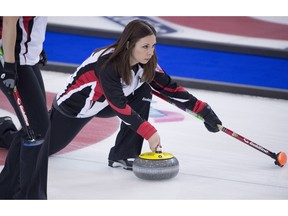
5,119
125,164
6,126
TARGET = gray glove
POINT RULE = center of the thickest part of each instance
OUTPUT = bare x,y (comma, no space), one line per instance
8,75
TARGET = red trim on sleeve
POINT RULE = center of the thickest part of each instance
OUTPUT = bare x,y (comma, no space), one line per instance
173,90
146,130
198,107
126,111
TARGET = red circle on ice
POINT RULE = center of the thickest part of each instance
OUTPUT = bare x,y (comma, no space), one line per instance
104,127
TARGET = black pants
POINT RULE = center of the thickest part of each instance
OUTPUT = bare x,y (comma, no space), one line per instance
128,143
24,175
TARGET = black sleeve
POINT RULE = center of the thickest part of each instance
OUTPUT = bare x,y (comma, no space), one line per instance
164,84
113,91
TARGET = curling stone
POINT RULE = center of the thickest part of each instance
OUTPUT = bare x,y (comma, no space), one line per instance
155,166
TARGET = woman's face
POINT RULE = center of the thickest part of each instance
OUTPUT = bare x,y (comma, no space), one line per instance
143,50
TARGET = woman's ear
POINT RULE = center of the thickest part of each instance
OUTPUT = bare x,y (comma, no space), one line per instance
127,45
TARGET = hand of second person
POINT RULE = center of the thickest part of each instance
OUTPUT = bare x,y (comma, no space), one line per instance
154,142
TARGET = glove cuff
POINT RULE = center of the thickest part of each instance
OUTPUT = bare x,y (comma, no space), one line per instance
10,66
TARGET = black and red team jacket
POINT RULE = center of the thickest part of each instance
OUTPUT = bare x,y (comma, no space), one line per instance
88,91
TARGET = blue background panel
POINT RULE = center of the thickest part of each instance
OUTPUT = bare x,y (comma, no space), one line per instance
182,62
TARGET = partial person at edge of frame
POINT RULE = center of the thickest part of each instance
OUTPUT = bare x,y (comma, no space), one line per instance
24,175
